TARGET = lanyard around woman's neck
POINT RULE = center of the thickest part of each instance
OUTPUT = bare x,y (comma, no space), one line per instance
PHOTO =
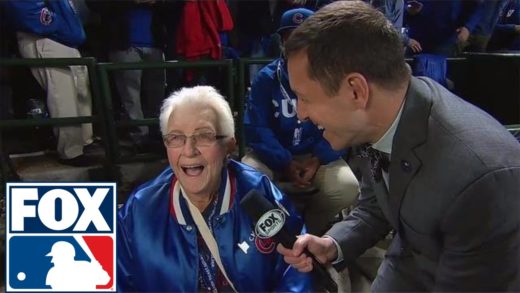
203,226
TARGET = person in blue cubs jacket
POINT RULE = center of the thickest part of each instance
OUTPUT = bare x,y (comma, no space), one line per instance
52,29
292,151
160,247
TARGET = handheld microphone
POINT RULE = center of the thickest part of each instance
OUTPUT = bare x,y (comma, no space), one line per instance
270,223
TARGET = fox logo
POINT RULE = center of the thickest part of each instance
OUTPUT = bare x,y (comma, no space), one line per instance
60,237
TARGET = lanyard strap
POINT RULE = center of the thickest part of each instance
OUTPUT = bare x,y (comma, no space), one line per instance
207,262
285,94
206,235
297,136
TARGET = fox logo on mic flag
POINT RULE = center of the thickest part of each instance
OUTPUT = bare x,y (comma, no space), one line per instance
60,237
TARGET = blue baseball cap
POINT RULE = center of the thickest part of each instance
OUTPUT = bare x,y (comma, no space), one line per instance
293,18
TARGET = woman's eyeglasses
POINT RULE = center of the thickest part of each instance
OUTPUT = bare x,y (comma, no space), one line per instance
174,140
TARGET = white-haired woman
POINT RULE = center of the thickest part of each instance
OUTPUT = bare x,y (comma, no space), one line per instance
161,245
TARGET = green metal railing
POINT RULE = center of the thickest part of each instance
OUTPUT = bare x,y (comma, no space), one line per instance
96,119
244,64
90,63
514,129
112,125
104,118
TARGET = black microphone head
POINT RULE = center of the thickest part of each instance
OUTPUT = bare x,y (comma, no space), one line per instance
269,219
255,204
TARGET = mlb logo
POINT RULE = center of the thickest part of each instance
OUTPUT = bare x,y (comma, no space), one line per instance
60,237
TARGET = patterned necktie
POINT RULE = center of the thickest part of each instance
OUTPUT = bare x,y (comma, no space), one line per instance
378,162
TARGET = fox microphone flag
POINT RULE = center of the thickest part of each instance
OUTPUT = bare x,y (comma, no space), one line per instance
270,223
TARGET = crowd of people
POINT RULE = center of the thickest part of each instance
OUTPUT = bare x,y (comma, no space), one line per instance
158,30
429,176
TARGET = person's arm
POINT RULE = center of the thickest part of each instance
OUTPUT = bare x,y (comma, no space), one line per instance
481,236
362,228
33,17
257,124
323,248
54,20
477,14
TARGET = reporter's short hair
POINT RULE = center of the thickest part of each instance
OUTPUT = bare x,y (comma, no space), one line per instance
203,96
350,36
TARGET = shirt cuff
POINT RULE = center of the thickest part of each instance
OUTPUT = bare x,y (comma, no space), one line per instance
340,253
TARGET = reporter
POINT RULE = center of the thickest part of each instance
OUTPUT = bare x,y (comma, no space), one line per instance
450,190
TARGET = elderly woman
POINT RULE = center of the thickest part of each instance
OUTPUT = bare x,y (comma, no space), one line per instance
165,226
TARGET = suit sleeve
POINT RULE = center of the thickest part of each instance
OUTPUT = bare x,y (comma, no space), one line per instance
481,239
363,227
258,130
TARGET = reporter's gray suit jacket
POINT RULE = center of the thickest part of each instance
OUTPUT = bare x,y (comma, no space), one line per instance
454,200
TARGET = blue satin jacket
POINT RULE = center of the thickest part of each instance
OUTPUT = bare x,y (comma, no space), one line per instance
56,20
157,239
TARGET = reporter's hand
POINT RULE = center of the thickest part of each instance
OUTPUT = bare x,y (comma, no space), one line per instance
323,248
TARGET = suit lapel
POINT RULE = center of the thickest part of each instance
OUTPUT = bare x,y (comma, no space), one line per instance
381,192
410,134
